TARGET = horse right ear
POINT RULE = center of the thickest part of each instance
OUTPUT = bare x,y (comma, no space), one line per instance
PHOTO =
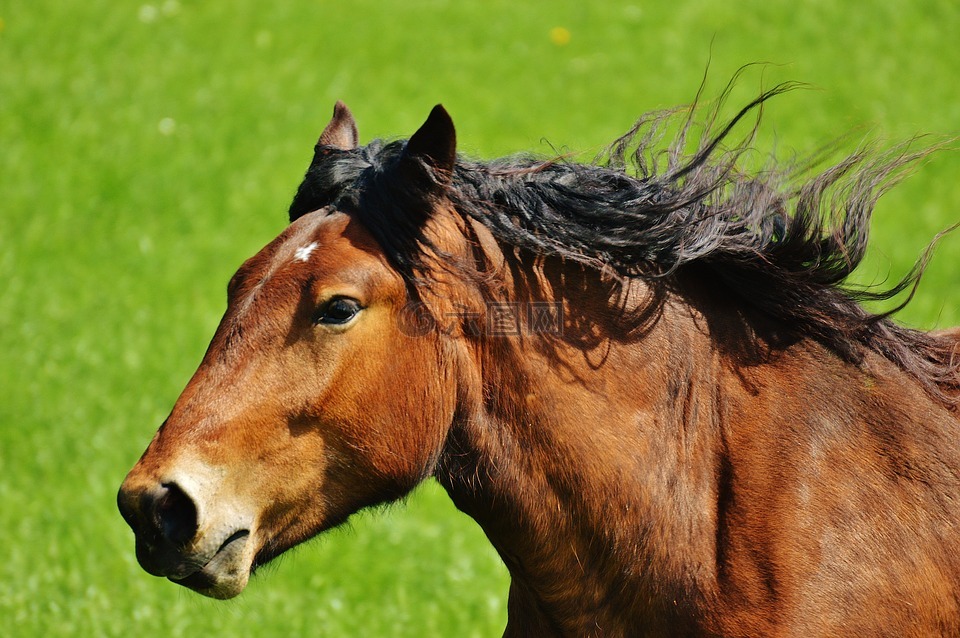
341,132
435,145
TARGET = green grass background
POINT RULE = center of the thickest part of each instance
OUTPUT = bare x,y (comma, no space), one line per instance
146,149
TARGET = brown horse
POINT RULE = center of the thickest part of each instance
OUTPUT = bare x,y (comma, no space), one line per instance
644,379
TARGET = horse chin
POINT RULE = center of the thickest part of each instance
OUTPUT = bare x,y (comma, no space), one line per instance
227,573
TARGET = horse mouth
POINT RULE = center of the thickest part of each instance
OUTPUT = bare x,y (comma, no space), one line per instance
226,574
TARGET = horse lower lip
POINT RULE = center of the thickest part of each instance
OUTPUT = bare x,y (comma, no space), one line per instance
205,578
197,580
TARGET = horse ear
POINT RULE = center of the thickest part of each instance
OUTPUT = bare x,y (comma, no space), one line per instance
341,132
435,143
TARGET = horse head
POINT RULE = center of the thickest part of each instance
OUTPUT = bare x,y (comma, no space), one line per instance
315,397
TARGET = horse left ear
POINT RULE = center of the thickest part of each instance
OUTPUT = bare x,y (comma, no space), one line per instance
341,132
435,144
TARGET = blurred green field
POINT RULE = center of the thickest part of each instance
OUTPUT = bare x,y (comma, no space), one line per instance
146,149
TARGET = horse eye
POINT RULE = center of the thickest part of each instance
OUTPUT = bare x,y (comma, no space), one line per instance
338,311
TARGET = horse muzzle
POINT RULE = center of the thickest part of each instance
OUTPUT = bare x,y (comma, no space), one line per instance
176,540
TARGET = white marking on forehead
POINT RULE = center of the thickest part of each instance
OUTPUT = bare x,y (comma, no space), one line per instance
303,253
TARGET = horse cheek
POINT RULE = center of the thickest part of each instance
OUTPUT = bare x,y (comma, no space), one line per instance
413,403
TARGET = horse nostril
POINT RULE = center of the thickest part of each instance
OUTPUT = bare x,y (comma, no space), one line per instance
175,515
162,515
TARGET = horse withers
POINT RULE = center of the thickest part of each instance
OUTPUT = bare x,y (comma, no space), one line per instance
642,377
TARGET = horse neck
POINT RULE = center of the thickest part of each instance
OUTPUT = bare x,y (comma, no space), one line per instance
559,451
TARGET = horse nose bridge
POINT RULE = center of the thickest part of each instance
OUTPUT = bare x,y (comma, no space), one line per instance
216,400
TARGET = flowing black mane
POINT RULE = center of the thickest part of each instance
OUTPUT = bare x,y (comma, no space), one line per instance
781,241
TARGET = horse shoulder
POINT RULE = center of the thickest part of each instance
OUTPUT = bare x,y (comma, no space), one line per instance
849,477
